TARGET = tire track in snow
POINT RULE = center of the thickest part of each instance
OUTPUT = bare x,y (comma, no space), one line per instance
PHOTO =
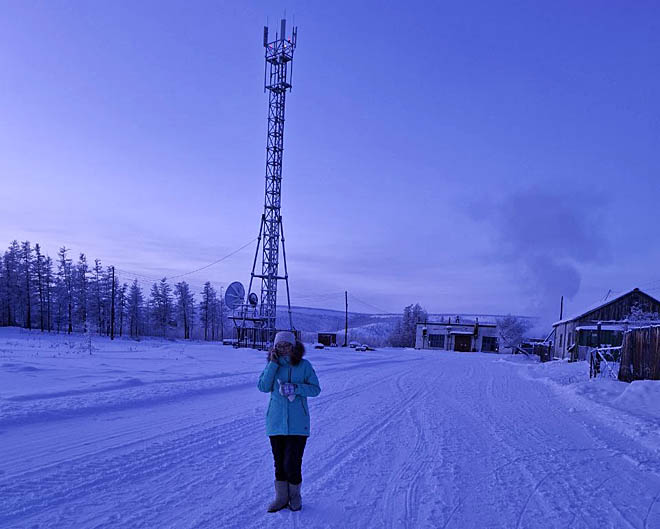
26,410
367,432
343,451
531,494
144,460
408,473
73,480
648,513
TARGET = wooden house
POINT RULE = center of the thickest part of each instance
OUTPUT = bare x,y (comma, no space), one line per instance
602,324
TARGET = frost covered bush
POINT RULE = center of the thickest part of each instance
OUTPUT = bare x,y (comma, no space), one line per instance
511,330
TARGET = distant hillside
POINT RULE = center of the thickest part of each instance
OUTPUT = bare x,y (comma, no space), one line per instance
368,328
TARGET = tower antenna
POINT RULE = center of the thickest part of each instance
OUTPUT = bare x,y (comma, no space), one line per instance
256,325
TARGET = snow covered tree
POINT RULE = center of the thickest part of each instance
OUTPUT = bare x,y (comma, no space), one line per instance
215,317
160,305
207,307
39,278
80,290
96,299
11,283
3,294
135,308
185,307
111,298
220,317
26,277
121,306
49,292
65,290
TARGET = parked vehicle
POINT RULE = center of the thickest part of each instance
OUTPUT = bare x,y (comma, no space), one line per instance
353,345
318,345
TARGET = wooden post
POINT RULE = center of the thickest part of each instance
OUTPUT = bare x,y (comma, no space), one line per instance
561,309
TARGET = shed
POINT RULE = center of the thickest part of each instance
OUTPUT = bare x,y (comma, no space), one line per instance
327,338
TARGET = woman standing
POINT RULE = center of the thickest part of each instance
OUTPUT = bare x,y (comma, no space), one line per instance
290,380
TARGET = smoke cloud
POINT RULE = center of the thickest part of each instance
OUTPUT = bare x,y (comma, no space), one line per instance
547,238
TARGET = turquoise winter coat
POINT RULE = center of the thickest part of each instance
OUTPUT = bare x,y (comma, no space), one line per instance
285,417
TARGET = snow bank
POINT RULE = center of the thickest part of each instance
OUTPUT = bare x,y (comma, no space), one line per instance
641,396
632,410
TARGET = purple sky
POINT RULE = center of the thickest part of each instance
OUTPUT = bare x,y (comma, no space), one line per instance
474,157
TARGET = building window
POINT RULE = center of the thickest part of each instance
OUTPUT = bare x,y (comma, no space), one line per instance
570,339
489,344
561,340
437,341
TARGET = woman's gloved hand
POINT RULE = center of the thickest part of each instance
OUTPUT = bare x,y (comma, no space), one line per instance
273,356
288,390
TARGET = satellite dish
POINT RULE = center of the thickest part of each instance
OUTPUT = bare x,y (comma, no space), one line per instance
234,295
253,299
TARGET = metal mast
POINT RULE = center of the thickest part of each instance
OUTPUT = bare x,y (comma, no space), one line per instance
277,80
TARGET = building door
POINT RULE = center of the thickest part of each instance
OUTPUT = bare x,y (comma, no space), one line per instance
462,342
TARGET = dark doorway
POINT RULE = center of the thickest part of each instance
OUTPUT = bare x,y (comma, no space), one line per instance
462,342
328,338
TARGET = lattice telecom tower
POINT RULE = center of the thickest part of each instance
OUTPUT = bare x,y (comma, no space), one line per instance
258,324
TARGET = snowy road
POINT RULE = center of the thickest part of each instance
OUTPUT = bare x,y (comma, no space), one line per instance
399,440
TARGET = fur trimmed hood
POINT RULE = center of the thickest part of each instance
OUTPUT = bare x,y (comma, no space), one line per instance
296,355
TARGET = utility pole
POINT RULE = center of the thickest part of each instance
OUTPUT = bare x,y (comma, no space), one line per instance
561,309
346,325
112,307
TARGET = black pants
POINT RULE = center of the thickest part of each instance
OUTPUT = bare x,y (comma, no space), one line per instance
288,453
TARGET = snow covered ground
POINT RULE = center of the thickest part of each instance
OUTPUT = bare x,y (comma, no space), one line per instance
161,434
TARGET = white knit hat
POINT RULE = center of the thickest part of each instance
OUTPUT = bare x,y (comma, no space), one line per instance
284,337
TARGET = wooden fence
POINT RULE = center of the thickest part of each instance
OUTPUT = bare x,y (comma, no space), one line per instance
640,354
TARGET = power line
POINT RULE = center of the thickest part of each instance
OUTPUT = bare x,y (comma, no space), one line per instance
214,262
379,309
136,275
148,283
317,297
153,278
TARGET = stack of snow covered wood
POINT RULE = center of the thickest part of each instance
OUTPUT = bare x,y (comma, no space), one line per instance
640,354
